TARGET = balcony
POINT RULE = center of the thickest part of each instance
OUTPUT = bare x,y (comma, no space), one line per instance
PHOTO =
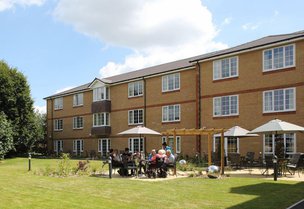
101,106
102,131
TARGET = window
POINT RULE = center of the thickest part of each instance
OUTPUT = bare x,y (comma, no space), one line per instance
136,144
279,100
58,103
101,93
171,82
58,125
135,89
136,117
78,146
77,122
104,145
231,144
78,100
170,143
278,58
58,146
225,106
101,119
225,68
171,113
289,143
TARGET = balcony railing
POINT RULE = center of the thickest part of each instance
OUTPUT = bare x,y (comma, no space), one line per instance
101,106
102,131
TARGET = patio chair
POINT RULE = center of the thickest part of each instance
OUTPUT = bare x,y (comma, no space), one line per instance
268,163
249,159
234,160
294,164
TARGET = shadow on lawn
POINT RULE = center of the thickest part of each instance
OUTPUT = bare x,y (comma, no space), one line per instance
270,195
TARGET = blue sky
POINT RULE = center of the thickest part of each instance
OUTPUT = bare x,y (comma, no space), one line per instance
59,44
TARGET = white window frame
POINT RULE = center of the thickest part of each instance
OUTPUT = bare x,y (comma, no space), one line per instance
284,100
174,78
284,61
137,86
101,93
178,143
226,144
75,145
273,144
131,118
56,143
166,113
58,103
76,121
57,126
141,144
78,100
217,66
219,99
106,117
100,145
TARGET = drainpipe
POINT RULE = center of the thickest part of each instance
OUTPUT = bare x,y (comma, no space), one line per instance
52,126
145,101
198,105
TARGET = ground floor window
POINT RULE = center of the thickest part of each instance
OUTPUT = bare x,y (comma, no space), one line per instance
104,145
58,146
231,144
170,142
287,140
136,144
78,146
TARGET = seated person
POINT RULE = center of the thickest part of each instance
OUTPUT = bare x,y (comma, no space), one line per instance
169,158
166,147
152,156
116,161
126,160
161,154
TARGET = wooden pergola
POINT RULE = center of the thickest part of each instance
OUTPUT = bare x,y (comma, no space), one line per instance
198,132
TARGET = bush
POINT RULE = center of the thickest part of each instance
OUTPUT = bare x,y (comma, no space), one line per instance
64,165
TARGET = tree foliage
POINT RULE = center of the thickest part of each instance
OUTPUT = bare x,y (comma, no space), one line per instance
6,135
16,103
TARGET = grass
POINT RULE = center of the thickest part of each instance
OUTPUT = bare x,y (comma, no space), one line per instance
22,189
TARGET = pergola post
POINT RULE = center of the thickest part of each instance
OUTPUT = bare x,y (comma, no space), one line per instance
174,141
209,150
222,153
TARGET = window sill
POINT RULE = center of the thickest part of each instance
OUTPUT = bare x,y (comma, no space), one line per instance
58,109
134,97
78,129
58,130
75,106
280,113
225,79
171,91
279,70
170,122
138,124
225,117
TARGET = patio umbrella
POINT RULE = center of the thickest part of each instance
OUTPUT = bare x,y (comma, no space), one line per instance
140,131
276,127
237,131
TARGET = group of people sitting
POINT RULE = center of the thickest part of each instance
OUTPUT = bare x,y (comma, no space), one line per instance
128,160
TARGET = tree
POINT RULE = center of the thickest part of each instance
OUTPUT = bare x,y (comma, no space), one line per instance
17,104
6,136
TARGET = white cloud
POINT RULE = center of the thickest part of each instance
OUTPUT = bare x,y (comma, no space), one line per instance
41,109
64,89
156,31
10,4
251,26
227,21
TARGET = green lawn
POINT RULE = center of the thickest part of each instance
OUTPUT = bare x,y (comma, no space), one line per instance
22,189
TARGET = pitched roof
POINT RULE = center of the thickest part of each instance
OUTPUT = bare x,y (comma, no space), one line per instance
186,63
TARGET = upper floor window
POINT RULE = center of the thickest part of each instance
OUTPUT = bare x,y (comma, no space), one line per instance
77,122
78,99
135,89
225,106
101,93
136,117
279,100
171,113
58,124
58,103
278,58
171,82
225,68
101,119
